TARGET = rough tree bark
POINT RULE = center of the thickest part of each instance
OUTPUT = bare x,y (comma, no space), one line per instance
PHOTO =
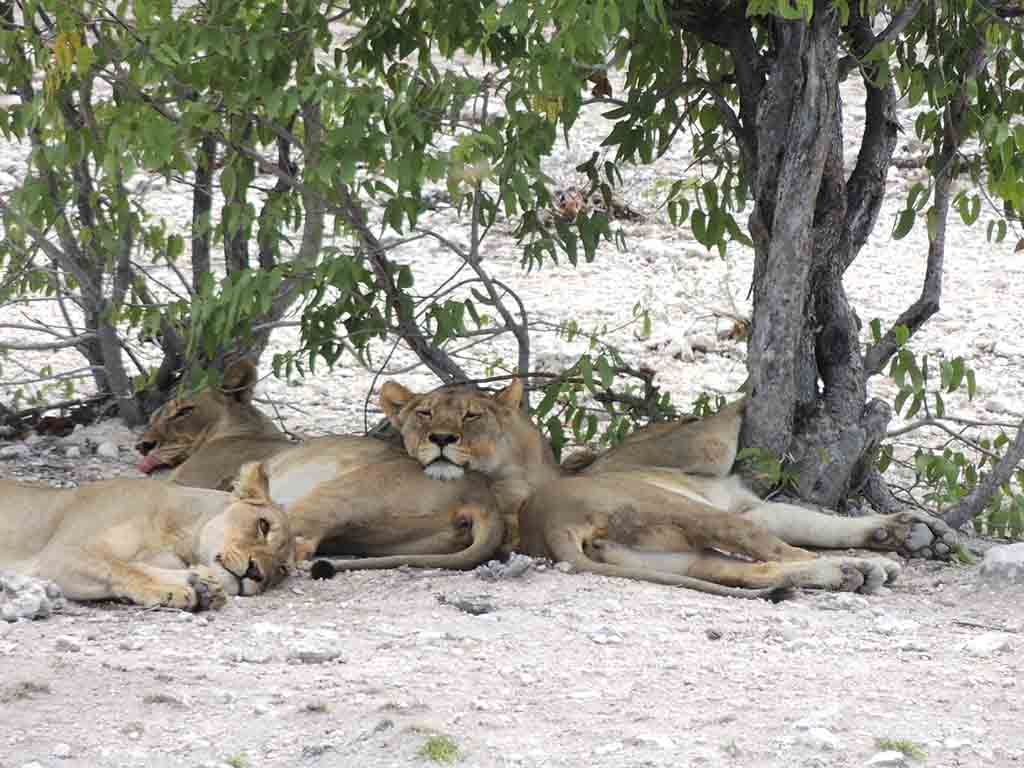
808,395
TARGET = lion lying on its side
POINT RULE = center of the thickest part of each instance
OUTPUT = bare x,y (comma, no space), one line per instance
145,542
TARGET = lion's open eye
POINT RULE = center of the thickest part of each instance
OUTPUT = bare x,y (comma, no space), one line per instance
264,526
472,416
184,412
423,413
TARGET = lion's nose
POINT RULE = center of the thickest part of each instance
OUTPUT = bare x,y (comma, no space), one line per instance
145,446
253,572
442,438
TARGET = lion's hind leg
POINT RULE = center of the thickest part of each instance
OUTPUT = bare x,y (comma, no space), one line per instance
842,574
911,534
574,546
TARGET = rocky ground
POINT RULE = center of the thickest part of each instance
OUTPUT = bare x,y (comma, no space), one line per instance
385,669
548,669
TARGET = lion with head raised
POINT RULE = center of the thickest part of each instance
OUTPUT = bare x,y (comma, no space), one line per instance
204,438
145,542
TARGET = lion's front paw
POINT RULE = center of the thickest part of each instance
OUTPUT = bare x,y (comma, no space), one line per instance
198,589
915,534
207,591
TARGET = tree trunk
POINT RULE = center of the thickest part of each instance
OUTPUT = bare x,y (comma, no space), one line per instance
808,397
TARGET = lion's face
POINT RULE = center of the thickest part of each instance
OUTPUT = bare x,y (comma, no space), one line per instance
250,546
180,426
453,428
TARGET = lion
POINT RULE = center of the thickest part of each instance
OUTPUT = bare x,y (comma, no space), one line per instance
345,495
360,496
145,542
205,439
663,507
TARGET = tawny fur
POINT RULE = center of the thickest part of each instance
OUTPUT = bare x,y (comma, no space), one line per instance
206,438
662,506
145,542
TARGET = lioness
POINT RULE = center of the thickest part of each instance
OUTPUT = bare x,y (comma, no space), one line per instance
145,542
206,438
623,517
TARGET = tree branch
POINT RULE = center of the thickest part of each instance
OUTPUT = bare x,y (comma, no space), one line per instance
915,316
865,190
971,505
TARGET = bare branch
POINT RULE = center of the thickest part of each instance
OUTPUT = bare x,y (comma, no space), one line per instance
46,346
971,505
915,316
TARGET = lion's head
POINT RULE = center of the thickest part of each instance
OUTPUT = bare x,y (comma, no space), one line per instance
180,426
459,427
250,546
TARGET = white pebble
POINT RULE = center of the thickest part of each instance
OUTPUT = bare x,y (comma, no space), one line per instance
107,450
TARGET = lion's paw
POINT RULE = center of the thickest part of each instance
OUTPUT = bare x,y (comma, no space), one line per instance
915,534
846,574
199,589
867,574
207,590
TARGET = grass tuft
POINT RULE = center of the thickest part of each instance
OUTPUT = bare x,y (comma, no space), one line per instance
440,749
911,749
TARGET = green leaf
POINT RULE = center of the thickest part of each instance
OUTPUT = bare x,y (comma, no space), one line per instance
904,223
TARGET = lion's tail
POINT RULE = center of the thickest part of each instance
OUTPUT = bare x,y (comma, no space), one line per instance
488,534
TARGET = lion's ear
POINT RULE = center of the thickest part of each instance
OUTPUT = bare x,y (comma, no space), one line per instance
253,484
393,398
511,396
239,381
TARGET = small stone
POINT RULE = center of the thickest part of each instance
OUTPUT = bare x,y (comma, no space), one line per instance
842,601
311,655
820,738
108,450
888,625
653,740
74,452
712,634
702,343
563,567
1004,562
680,350
605,636
888,759
62,751
988,644
610,748
15,451
68,643
248,655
